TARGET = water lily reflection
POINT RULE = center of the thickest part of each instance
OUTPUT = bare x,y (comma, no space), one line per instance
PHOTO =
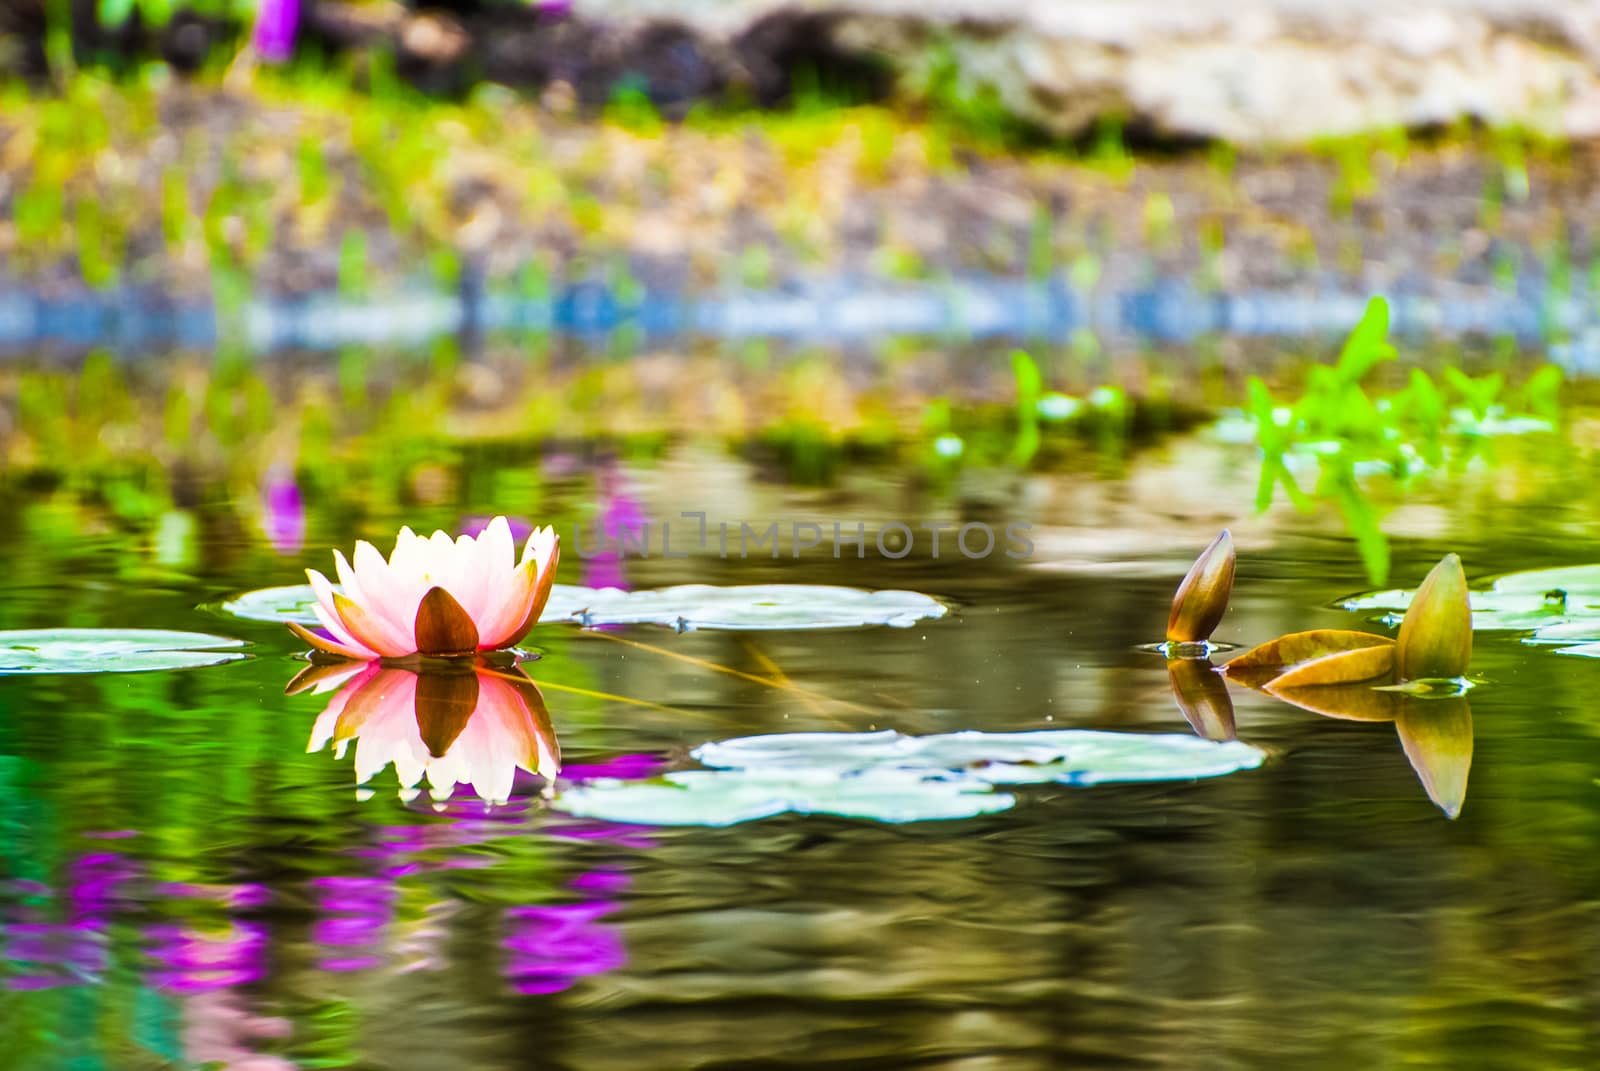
474,725
1436,732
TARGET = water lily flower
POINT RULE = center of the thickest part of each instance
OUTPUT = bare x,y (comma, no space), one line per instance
472,727
436,597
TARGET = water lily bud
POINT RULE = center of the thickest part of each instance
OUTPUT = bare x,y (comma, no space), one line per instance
1436,636
1202,598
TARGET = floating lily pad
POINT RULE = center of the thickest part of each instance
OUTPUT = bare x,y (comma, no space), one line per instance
895,778
727,797
689,606
1555,605
110,650
1069,756
290,603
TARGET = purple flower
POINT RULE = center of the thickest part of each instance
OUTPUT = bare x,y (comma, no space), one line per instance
283,511
276,22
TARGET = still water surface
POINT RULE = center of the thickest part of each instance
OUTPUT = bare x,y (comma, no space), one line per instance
185,885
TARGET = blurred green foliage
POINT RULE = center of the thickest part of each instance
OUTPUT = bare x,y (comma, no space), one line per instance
1339,433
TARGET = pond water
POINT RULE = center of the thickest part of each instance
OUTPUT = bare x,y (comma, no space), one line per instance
190,879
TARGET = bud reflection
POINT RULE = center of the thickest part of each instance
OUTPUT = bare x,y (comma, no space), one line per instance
1202,696
471,725
1436,732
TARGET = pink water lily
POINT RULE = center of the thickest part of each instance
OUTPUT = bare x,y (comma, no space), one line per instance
438,596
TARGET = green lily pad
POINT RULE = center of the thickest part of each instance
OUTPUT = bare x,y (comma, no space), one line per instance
889,777
688,606
110,650
1560,605
1063,756
727,797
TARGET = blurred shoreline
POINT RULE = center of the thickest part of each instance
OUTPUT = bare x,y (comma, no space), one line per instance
582,166
193,190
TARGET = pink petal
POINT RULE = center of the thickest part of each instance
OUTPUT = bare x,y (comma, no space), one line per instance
497,546
373,631
384,589
472,589
541,591
328,613
510,609
328,645
541,544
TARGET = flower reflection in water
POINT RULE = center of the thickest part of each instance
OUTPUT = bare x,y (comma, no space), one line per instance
74,951
195,961
1435,731
1202,697
550,947
622,519
355,912
471,725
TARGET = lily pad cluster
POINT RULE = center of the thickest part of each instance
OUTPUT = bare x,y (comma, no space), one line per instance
890,777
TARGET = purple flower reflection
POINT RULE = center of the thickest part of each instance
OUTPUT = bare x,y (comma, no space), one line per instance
600,882
56,955
283,511
194,962
250,894
276,22
551,947
94,886
357,911
623,768
73,952
621,517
